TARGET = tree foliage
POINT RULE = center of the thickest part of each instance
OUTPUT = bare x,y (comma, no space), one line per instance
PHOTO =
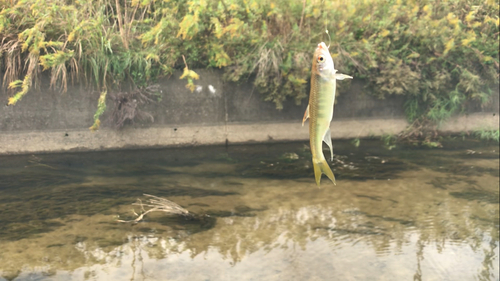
440,55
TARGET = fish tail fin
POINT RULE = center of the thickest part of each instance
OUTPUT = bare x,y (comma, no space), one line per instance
321,167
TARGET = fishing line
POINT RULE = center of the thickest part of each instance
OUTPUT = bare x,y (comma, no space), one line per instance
326,24
326,28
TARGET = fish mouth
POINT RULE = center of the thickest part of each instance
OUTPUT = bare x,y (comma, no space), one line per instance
323,46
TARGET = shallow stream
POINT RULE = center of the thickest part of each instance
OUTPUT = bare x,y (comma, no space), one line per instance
401,214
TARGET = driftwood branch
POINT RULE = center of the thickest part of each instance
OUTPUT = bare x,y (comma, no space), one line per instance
157,204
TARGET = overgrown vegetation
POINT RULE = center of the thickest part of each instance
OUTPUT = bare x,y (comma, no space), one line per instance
440,55
488,135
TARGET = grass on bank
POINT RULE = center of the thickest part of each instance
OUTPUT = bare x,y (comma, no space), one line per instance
440,55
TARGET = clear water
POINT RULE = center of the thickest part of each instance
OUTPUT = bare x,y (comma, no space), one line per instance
400,214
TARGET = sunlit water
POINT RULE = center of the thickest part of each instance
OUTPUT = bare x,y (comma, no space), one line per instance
400,214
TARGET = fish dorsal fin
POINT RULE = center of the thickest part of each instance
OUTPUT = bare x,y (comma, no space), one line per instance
306,115
327,138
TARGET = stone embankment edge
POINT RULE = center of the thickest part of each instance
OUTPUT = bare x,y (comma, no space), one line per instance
193,135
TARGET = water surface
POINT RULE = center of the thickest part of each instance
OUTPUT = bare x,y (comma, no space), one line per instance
401,214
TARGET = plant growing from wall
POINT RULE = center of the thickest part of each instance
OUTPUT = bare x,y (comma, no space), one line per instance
101,107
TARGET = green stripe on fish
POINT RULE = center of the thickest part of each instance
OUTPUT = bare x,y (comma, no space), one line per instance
324,77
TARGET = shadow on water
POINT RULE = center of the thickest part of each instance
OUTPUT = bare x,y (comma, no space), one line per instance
478,195
31,199
358,165
25,216
397,214
37,179
370,162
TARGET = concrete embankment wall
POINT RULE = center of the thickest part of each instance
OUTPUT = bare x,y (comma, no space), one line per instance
46,120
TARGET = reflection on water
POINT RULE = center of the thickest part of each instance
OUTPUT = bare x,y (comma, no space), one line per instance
404,214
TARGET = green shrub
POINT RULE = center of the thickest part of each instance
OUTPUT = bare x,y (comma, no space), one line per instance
440,55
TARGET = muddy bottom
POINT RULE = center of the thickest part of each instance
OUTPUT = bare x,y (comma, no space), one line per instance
399,214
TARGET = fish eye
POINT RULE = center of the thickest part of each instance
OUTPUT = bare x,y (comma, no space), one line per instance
321,58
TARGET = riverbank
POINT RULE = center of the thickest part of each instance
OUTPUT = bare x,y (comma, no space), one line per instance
219,113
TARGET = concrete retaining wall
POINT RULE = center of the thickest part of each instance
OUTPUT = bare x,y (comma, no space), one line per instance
48,121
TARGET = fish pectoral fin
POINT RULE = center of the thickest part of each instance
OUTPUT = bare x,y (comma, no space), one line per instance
340,76
327,138
306,115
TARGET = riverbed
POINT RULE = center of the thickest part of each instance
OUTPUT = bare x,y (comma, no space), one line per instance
396,213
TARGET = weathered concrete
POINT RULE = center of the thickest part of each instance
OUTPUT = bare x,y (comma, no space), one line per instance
82,140
471,122
219,113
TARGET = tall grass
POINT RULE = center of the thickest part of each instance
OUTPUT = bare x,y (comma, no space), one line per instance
440,55
488,135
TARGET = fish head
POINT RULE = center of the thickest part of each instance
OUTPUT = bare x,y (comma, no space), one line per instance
322,61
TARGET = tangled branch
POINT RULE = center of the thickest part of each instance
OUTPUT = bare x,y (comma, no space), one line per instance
157,204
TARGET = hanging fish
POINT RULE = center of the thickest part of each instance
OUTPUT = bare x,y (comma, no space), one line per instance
324,77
